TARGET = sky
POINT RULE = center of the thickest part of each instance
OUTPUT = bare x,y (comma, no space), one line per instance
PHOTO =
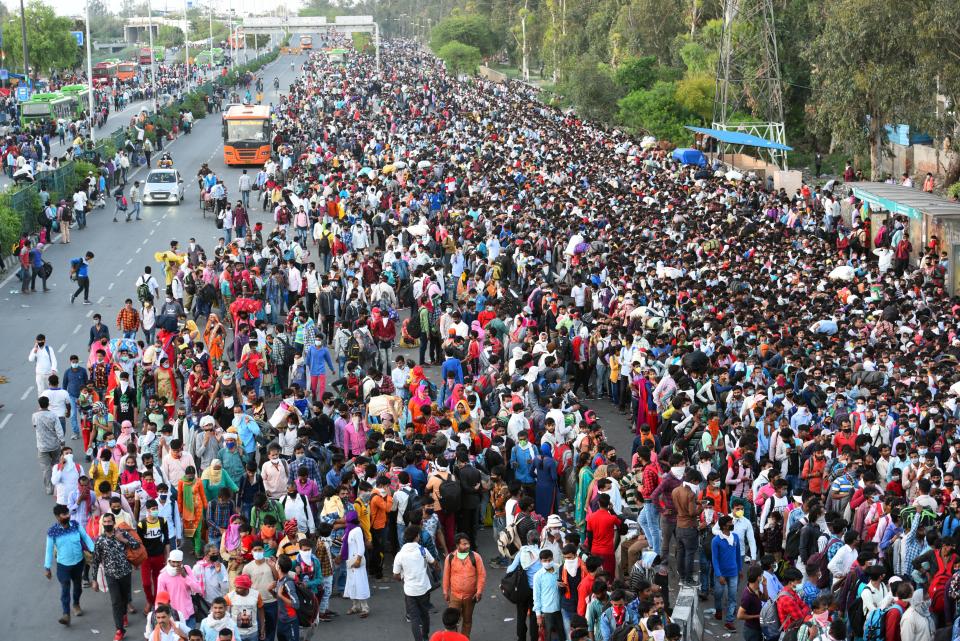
75,7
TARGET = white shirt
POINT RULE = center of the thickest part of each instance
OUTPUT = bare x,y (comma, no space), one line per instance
65,480
171,635
59,401
411,564
45,359
842,561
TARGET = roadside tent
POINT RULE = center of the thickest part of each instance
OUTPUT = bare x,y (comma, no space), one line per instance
690,157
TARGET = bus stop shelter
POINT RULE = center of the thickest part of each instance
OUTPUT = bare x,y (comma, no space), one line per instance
928,216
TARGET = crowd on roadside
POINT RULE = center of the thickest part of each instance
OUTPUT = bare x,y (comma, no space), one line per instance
791,397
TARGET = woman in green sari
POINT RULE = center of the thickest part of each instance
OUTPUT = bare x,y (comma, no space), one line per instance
584,481
215,477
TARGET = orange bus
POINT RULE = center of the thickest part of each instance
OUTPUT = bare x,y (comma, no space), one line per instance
246,135
306,43
127,70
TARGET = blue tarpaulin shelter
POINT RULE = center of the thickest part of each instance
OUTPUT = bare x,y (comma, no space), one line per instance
740,138
690,157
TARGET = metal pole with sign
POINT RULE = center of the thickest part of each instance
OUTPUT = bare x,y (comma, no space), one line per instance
23,37
211,36
86,20
186,41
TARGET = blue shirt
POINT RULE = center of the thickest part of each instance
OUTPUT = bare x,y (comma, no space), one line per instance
533,567
452,364
81,266
247,429
546,591
74,380
69,544
417,478
727,560
318,360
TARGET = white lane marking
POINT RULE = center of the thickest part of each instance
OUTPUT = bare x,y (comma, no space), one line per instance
90,313
129,260
77,328
120,273
61,348
109,287
24,396
144,241
6,419
138,250
152,232
100,300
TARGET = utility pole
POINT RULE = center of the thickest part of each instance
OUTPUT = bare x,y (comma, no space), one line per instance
153,65
211,35
186,41
86,20
23,38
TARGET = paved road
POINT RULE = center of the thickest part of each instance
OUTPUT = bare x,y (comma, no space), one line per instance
31,607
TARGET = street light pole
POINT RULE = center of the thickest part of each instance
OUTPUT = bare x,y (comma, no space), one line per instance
86,20
186,41
23,38
211,35
153,66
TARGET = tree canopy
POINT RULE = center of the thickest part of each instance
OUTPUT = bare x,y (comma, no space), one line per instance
50,46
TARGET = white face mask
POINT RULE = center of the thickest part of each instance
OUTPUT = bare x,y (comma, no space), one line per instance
677,472
305,556
169,569
571,566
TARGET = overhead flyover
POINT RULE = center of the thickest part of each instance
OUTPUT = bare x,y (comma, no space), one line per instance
319,25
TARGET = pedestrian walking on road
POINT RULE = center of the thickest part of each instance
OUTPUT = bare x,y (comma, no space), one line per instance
67,541
80,272
137,199
410,565
50,440
45,360
463,580
110,552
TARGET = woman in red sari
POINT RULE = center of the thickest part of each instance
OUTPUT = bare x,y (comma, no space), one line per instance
199,387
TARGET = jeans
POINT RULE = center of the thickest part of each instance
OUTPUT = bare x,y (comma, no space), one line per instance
74,419
418,610
270,620
227,231
327,590
688,543
650,524
135,210
83,287
752,634
667,530
731,591
526,620
130,334
80,215
553,626
706,575
245,198
70,575
288,630
120,597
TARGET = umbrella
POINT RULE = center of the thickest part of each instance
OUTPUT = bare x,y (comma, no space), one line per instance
424,164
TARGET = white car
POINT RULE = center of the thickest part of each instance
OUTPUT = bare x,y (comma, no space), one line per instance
163,186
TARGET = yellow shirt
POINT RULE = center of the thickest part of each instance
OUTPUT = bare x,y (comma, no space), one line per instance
614,368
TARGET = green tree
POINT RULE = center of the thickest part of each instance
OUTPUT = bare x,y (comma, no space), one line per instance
317,8
594,90
656,111
460,58
472,30
168,36
864,78
695,95
50,46
637,73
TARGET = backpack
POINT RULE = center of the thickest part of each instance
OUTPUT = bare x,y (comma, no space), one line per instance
323,245
939,582
855,617
143,292
413,325
875,624
288,353
792,548
622,633
309,606
353,349
450,493
508,541
472,557
821,559
770,618
514,585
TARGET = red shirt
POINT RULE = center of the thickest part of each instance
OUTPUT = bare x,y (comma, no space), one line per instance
603,526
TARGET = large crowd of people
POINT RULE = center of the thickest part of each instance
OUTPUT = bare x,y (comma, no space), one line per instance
405,361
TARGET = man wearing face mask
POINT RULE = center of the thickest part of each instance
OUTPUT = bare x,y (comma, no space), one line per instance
68,541
663,497
546,598
263,575
154,533
110,551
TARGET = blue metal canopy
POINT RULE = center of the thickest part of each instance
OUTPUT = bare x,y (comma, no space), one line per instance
740,138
